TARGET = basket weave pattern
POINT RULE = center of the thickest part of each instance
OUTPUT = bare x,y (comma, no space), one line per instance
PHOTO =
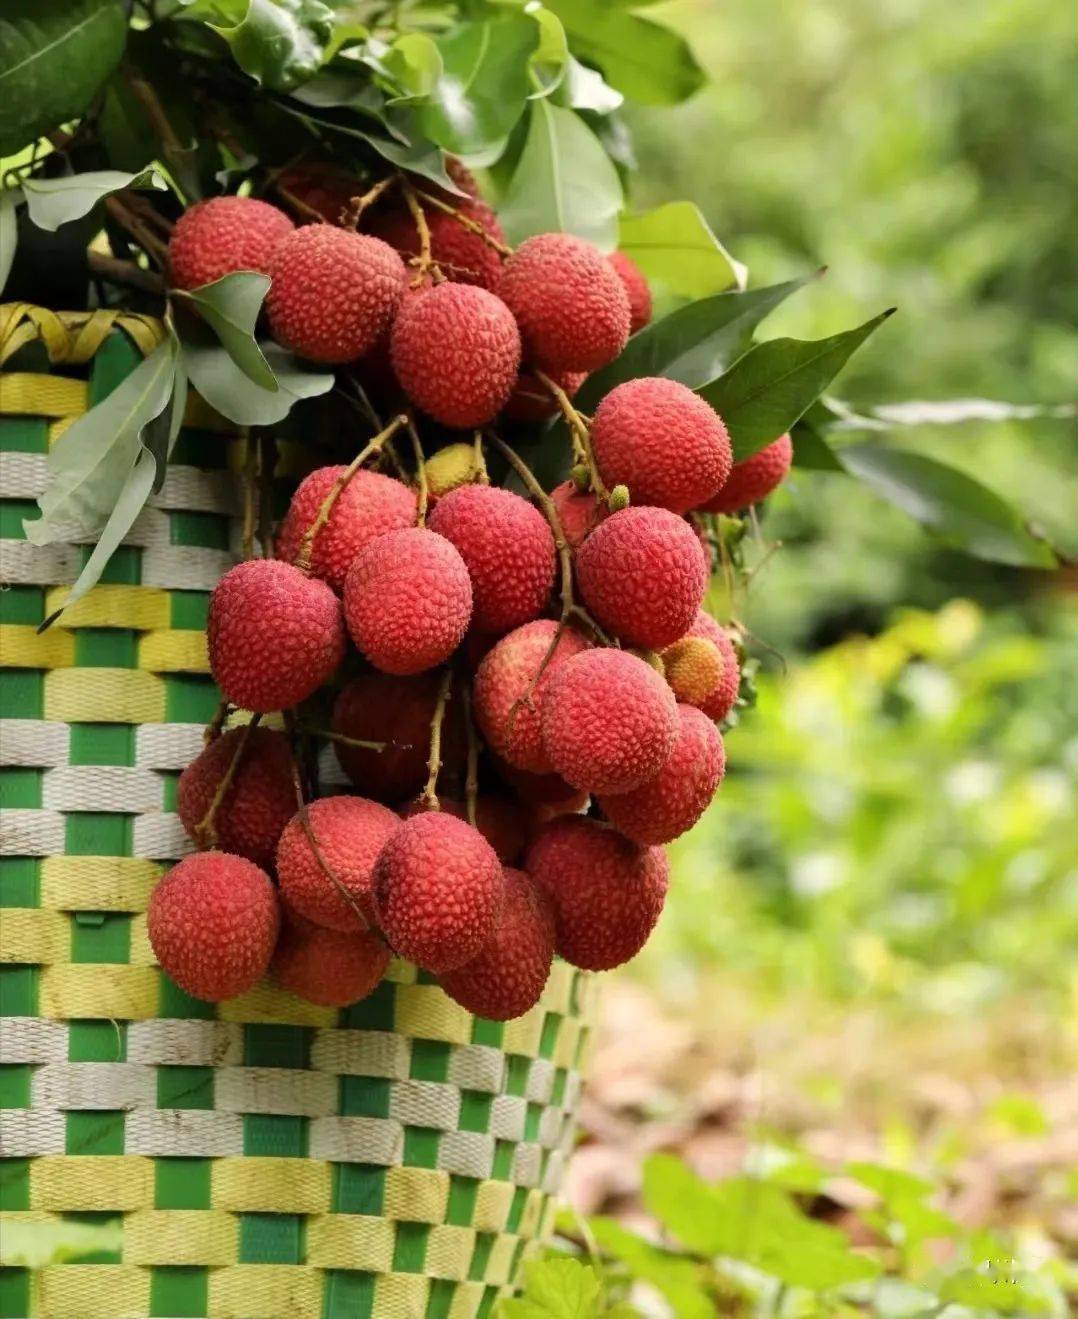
265,1156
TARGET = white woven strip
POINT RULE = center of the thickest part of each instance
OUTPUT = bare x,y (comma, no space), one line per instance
507,1114
191,1132
540,1081
184,567
274,1090
25,1133
93,1086
551,1127
466,1153
31,833
35,742
357,1140
330,774
23,564
102,788
185,1042
167,746
193,490
552,1178
477,1067
32,1040
431,1104
160,838
22,475
361,1053
527,1164
573,1086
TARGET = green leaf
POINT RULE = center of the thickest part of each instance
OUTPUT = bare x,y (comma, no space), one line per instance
674,246
484,84
678,1278
9,232
280,43
231,306
34,1245
811,450
225,387
646,61
556,1289
53,202
587,89
766,391
963,513
56,54
551,57
992,1289
414,63
693,344
563,180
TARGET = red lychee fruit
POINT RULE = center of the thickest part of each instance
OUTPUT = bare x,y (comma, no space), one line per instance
531,400
367,506
501,821
275,635
549,794
321,186
509,974
456,350
636,286
668,805
218,237
754,479
607,891
350,832
609,721
408,600
642,575
397,712
334,292
438,887
509,549
330,967
662,441
258,802
460,253
580,512
505,677
718,700
213,922
571,307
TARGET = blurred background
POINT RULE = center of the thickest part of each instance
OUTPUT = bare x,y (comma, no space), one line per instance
869,950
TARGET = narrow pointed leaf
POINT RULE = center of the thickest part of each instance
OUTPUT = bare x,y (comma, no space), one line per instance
678,252
9,232
234,395
231,306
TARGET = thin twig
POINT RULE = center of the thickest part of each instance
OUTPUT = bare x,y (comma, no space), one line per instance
421,475
206,829
250,491
154,248
424,262
429,796
299,205
331,736
213,729
266,460
578,430
357,205
482,476
124,273
472,225
471,782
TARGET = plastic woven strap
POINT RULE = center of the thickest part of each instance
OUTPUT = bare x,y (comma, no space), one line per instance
262,1157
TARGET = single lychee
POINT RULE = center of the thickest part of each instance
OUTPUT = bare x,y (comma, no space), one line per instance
608,720
275,635
719,700
258,802
754,479
509,974
580,512
366,507
396,712
669,804
509,549
408,600
571,307
438,887
334,292
637,288
330,967
662,441
456,351
642,574
349,832
460,253
218,237
449,468
532,401
509,721
693,666
607,891
213,922
502,821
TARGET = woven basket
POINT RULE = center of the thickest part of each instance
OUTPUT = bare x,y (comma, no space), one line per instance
264,1156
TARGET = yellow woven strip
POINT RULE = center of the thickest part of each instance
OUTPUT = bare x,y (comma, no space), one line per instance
524,1034
174,652
546,1218
127,993
141,953
273,1290
59,428
24,394
33,936
73,1182
100,1291
565,1049
558,992
500,1260
532,1213
416,1195
271,1185
425,1012
181,1236
492,1202
466,1300
269,1003
350,1241
400,1293
97,883
449,1251
400,972
104,696
138,607
22,648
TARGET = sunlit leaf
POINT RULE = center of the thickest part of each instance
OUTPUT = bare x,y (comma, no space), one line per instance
234,395
53,202
587,89
280,43
231,306
677,1277
556,1289
551,56
675,248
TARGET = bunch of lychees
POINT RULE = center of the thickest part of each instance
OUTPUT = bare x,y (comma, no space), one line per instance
519,754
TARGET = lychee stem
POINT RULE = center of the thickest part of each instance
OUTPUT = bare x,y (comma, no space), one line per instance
471,781
250,487
421,475
578,430
213,729
266,462
299,205
429,796
331,736
206,829
482,476
306,545
424,263
357,205
473,226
